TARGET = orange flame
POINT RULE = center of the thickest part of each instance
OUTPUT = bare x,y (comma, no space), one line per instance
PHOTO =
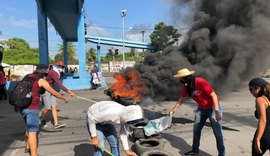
128,86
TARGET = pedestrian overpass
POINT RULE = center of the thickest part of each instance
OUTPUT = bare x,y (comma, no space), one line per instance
115,42
67,17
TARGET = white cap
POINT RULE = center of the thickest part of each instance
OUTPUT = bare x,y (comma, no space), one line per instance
132,112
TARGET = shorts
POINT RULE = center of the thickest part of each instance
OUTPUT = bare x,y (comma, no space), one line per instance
48,100
31,119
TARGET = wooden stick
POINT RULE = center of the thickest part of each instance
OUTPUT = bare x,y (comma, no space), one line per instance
86,99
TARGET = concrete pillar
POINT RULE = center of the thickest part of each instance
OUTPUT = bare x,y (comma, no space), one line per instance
65,55
99,57
42,37
81,46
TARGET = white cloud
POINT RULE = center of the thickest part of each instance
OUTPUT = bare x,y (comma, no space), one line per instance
134,37
22,22
95,30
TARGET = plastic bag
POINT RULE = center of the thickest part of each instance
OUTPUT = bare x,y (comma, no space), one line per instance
157,125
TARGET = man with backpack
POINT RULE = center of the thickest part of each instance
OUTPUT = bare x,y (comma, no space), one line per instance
25,99
48,99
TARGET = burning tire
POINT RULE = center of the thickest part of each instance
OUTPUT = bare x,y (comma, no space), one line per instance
109,92
156,153
144,145
122,100
125,101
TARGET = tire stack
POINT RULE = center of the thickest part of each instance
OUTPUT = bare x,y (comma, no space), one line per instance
147,146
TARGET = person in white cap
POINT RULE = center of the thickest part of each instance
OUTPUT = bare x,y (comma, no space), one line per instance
101,118
208,108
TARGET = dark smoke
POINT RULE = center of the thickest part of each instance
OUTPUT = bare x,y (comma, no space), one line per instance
228,42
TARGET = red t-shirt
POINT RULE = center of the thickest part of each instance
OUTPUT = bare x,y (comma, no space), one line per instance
36,96
53,77
201,93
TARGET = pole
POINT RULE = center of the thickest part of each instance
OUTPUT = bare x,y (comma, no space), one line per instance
123,34
143,35
143,38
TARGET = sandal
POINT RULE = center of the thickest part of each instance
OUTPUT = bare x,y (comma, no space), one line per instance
26,150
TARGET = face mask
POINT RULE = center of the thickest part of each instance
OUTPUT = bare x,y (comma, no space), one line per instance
184,80
60,69
44,74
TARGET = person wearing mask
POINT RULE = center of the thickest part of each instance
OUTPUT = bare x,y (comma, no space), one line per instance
208,108
101,118
3,93
49,100
260,89
31,113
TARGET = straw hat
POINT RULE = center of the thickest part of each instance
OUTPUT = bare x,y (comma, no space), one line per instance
184,72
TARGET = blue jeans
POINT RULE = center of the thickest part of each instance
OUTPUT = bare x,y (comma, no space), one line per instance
201,116
31,119
108,131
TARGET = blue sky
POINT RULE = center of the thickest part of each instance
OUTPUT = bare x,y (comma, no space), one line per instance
18,18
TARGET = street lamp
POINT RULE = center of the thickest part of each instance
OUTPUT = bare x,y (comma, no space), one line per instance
123,14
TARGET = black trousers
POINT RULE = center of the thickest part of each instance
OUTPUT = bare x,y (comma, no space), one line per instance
3,93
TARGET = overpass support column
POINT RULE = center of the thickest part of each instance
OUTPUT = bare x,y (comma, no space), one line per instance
81,46
99,57
65,55
42,37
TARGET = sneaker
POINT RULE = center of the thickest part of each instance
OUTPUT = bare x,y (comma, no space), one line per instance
59,125
192,152
26,150
43,123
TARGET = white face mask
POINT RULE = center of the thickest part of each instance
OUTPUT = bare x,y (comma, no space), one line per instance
60,69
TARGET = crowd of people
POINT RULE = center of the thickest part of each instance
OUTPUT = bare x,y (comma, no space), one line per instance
102,116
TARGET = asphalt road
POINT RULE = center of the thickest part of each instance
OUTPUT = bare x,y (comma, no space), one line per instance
238,127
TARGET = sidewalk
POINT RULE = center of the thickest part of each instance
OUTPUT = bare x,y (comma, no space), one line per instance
238,127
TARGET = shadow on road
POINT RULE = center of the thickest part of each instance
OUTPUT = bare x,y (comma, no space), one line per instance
83,150
180,144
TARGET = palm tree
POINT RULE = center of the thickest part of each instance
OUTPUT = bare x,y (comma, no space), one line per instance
70,52
91,55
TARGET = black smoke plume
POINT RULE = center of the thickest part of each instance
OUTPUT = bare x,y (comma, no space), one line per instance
228,42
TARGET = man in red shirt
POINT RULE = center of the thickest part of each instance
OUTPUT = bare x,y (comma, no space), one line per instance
48,99
208,108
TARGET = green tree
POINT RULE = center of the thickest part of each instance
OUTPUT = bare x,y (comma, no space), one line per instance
91,55
18,51
71,54
17,43
163,36
132,52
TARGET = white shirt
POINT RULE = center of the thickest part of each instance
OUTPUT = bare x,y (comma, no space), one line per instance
107,112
